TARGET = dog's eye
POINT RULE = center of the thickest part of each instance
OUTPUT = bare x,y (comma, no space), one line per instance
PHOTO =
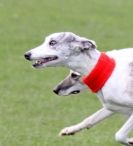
52,42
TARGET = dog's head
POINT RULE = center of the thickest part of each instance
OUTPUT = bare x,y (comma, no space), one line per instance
72,84
58,48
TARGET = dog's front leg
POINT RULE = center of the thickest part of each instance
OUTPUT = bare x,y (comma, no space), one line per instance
122,135
87,123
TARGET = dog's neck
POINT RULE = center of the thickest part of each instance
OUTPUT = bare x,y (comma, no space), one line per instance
85,62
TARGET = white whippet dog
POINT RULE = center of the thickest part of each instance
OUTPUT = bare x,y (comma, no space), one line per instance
81,55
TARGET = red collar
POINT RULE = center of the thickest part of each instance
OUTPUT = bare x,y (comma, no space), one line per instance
100,73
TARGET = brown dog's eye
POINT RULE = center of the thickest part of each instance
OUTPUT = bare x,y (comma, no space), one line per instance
74,76
52,42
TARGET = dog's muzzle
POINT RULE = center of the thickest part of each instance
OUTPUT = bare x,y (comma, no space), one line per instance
56,91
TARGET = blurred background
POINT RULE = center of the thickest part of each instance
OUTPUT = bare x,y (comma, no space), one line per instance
30,113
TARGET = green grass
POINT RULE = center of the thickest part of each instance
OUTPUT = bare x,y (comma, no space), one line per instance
30,113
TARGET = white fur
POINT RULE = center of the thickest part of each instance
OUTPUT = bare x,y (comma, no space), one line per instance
80,54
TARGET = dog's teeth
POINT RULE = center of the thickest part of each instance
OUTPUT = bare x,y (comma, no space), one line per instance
44,60
49,59
38,62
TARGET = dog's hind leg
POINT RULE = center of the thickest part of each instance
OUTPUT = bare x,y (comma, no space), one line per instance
87,123
122,135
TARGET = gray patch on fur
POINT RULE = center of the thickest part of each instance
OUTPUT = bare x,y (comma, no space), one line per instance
131,68
66,84
59,38
129,88
70,39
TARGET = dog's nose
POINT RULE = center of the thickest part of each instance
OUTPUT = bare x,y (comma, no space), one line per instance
27,55
56,91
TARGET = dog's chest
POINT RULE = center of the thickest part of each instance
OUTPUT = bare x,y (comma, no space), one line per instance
118,108
114,104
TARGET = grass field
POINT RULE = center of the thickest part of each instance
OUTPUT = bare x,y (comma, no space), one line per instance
30,113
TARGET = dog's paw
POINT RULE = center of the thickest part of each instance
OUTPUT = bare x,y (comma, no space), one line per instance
68,131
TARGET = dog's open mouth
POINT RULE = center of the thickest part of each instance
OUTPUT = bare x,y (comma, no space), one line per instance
43,61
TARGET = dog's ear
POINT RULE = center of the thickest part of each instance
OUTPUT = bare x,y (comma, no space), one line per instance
87,45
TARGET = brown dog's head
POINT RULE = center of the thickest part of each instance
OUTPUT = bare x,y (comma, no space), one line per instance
72,84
